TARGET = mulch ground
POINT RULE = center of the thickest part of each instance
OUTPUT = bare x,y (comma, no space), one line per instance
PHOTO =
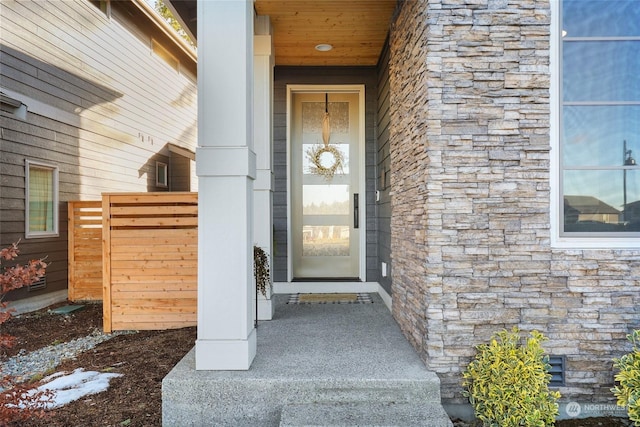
144,359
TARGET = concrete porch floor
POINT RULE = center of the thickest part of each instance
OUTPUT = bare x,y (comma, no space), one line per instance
310,357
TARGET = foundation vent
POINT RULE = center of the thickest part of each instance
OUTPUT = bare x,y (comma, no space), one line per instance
41,283
557,369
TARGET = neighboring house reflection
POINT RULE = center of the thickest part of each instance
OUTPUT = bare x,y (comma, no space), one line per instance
587,213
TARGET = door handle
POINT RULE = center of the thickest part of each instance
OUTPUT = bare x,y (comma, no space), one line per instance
356,211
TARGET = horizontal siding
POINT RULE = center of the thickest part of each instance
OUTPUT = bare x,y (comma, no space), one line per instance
101,107
383,170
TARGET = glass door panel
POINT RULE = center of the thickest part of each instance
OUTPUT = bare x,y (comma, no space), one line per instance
324,181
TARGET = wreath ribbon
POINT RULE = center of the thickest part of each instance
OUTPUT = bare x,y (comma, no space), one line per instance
326,122
315,153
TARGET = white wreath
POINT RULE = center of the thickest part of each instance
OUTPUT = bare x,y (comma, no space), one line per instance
315,156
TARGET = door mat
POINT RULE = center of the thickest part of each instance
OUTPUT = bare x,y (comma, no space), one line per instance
359,298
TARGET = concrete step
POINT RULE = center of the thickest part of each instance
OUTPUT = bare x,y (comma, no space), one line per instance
257,397
316,353
365,415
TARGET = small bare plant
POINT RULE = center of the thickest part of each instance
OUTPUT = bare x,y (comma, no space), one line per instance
261,269
16,400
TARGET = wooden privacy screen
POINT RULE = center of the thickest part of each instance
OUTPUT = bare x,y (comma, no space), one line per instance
150,253
85,251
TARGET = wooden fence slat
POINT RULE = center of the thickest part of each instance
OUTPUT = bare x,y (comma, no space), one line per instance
151,243
152,198
151,239
159,318
152,274
155,256
122,244
129,309
87,204
173,266
71,266
86,213
154,222
152,326
138,252
155,210
107,324
85,250
136,293
162,322
149,279
164,286
159,302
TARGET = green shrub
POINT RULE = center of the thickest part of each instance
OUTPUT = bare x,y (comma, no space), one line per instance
508,382
628,389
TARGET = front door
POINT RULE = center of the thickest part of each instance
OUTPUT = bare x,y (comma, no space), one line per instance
327,206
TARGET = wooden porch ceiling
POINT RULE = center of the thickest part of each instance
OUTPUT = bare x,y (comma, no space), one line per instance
356,29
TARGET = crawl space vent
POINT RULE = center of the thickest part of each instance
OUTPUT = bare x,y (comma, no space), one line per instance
41,283
557,370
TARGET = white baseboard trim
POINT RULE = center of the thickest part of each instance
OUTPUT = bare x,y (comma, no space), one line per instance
323,287
385,297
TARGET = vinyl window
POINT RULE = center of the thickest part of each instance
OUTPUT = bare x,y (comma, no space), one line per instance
41,207
162,174
599,132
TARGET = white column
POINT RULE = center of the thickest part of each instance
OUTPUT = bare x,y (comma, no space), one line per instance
226,169
263,137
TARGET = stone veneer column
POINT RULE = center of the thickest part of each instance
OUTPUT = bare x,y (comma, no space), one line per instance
226,168
409,89
470,146
470,174
263,137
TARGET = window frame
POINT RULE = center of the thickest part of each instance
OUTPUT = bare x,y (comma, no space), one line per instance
56,210
164,167
104,6
593,240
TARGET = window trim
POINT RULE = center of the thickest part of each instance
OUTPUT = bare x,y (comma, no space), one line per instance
104,6
596,241
165,182
56,217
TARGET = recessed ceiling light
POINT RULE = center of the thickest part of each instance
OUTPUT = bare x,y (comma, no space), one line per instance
324,47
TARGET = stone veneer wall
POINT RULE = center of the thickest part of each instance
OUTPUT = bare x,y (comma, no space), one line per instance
470,180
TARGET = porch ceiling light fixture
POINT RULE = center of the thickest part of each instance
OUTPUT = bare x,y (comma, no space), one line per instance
324,47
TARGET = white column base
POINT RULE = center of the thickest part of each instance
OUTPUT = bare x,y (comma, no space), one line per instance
226,355
266,308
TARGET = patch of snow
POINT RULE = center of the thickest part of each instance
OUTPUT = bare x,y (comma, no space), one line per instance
66,388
